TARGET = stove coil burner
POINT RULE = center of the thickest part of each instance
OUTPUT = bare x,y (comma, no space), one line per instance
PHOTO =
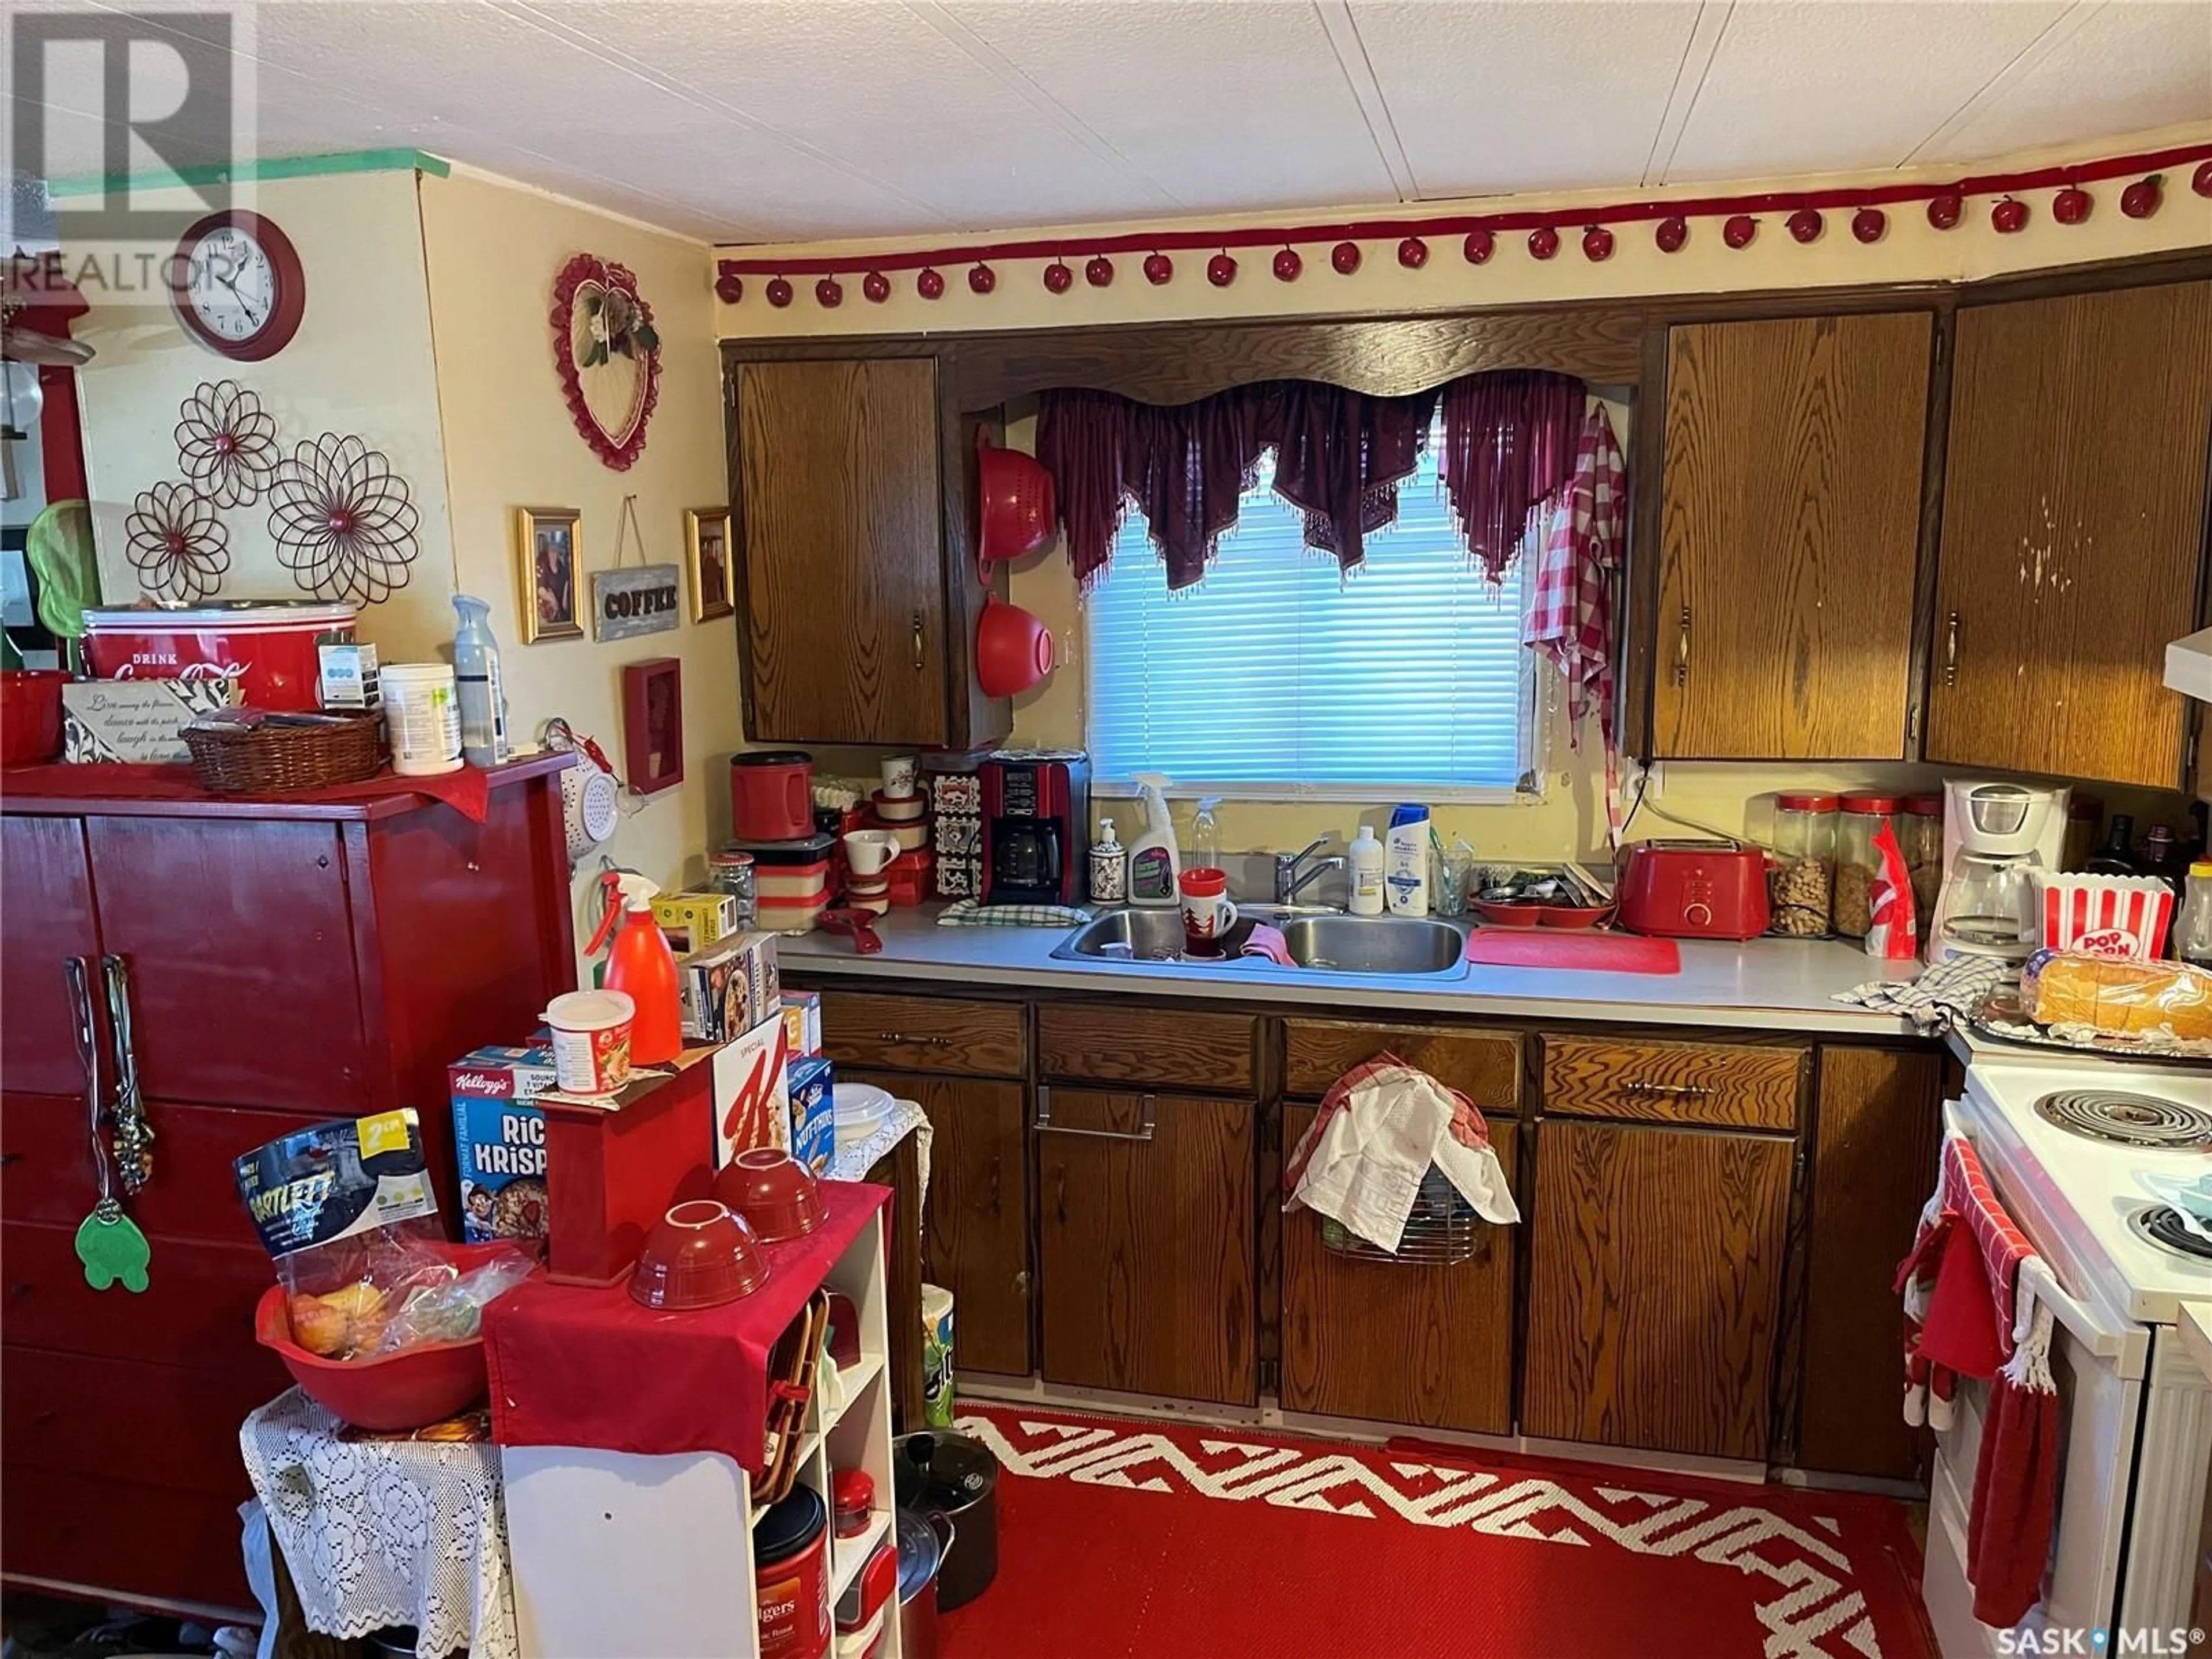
2163,1226
2127,1119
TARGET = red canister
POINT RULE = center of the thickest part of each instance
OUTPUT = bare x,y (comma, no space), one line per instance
791,1573
267,645
772,795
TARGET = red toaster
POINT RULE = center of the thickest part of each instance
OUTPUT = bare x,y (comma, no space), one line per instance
1692,889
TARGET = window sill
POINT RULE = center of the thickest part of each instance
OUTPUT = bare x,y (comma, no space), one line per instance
1363,794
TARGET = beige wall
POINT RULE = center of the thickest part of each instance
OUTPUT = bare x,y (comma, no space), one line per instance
493,250
361,363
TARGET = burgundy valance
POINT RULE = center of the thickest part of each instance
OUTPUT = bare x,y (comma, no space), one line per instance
1340,457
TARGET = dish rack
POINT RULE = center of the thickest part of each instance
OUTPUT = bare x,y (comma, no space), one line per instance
1442,1230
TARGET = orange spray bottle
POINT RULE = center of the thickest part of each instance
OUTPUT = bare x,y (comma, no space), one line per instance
641,967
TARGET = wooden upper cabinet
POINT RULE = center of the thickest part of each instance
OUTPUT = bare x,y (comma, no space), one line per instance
2073,501
1791,485
845,578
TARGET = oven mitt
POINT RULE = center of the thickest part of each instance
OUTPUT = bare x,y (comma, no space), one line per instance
112,1248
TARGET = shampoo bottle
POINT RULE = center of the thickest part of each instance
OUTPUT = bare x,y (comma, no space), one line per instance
643,968
1366,873
1406,862
1154,863
483,698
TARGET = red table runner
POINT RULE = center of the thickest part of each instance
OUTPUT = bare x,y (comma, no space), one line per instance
578,1367
467,790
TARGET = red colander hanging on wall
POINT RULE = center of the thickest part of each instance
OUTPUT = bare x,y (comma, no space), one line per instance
1016,505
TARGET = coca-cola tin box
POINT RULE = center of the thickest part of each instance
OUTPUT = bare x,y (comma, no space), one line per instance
267,645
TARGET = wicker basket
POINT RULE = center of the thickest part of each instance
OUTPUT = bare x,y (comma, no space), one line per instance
270,759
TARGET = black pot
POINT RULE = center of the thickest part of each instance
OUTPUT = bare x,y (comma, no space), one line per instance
942,1472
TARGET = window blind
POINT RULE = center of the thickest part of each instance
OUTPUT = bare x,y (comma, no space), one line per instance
1275,671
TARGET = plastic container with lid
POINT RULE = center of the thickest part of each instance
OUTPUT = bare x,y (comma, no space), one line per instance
1857,862
2192,933
1801,884
853,1495
791,1571
422,716
731,871
1920,838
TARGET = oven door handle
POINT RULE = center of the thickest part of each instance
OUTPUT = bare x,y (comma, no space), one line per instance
2127,1345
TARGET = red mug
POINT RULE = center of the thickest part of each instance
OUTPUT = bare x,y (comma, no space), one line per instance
1208,912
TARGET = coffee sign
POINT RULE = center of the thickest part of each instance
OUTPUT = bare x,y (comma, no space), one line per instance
640,600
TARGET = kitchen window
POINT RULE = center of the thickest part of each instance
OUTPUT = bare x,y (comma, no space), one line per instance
1277,677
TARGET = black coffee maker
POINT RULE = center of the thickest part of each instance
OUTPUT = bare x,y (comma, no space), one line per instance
1036,826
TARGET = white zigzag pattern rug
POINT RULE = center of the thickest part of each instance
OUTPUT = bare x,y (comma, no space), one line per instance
1810,1609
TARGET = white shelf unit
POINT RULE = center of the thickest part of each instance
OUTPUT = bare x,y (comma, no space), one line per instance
615,1554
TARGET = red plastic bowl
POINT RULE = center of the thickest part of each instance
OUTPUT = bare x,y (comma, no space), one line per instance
30,714
409,1389
697,1255
1016,495
1508,915
776,1194
1014,650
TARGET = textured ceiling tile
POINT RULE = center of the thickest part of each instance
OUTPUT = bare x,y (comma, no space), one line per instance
1494,97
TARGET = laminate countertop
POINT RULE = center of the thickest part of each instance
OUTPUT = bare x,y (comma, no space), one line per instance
1768,984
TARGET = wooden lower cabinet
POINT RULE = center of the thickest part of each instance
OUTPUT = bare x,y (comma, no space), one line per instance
974,1235
1145,1242
1876,1129
1424,1345
1655,1287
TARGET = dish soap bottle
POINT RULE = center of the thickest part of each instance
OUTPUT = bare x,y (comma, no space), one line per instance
1406,862
483,696
641,967
1366,873
1154,863
1109,866
1205,836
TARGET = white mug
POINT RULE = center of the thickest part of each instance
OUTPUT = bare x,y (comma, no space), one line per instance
1208,917
898,777
868,851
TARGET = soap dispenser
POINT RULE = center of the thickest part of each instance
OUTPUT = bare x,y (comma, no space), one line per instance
1366,873
1154,863
1109,866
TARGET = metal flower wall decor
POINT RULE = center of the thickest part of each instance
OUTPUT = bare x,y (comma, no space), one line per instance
227,443
342,520
176,543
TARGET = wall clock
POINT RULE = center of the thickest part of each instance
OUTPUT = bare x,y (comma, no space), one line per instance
238,286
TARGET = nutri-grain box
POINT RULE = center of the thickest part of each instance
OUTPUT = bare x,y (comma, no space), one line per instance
499,1140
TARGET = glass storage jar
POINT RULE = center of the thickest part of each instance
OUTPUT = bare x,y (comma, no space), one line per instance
1920,838
731,871
1801,883
1857,862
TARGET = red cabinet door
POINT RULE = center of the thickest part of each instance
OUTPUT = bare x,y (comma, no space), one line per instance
46,893
239,938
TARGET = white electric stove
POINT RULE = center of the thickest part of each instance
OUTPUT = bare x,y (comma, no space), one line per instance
2066,1146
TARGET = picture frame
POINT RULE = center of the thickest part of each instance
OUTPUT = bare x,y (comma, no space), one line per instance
653,725
706,558
549,555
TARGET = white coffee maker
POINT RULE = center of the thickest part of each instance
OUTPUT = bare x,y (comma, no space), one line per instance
1994,836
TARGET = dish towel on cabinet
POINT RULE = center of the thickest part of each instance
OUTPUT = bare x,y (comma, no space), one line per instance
1968,1313
1381,1127
1571,615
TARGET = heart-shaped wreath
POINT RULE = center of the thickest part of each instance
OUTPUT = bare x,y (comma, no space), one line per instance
608,354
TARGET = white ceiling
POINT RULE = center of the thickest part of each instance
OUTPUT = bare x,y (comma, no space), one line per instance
771,120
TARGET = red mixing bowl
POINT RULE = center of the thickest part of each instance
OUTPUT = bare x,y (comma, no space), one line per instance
1014,650
30,714
1016,495
697,1255
776,1194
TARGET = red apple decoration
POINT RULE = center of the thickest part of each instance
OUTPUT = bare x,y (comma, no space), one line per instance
1479,247
1738,230
931,283
1413,253
2009,215
2141,199
1098,271
779,292
829,294
1805,225
1868,223
729,288
877,286
982,278
1597,244
2201,180
1221,271
1058,277
1945,211
1287,265
1674,231
2071,205
1543,242
1159,267
1344,258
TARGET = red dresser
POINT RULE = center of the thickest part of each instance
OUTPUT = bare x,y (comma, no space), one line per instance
286,964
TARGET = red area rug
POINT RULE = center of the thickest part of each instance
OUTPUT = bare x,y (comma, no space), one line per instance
1126,1540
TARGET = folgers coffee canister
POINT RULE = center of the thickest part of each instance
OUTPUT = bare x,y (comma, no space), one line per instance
791,1576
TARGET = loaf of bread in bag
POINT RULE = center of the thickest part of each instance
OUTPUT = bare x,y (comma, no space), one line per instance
2117,995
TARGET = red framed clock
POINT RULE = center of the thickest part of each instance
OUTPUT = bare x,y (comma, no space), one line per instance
238,286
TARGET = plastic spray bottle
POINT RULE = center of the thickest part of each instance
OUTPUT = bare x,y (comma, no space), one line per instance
1153,861
641,967
483,696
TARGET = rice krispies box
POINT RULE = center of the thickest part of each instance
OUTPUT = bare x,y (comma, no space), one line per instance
499,1140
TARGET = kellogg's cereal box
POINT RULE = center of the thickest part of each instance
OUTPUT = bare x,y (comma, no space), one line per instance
499,1140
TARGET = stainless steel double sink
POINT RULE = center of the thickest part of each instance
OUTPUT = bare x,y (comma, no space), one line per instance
1327,942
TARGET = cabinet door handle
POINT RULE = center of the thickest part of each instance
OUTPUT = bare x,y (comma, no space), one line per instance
134,1136
1951,649
1682,650
1642,1091
1147,1112
917,641
78,970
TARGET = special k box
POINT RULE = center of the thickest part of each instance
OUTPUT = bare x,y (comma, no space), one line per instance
752,1093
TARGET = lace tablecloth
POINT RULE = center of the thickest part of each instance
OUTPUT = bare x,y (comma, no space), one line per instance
386,1532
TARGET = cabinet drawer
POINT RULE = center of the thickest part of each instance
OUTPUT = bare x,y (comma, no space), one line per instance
107,1419
132,1542
1672,1082
197,1307
1485,1065
1152,1045
923,1034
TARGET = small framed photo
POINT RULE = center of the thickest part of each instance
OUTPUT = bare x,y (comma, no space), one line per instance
653,725
549,551
707,550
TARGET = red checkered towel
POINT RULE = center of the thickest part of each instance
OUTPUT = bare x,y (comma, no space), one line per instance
1570,616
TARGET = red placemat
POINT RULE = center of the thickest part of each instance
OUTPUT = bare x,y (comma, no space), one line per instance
467,790
577,1367
1539,947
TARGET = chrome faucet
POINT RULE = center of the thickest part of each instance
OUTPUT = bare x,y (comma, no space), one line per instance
1291,880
